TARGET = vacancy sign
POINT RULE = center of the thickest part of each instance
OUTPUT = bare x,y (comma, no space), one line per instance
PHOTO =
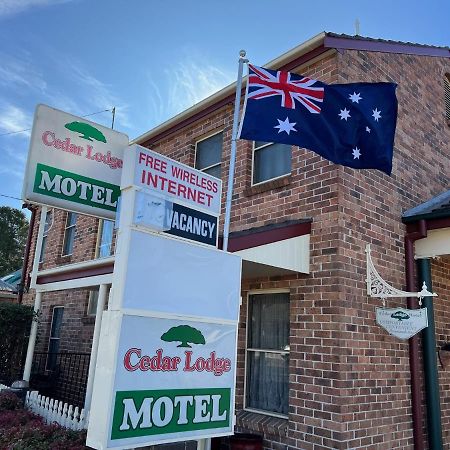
74,164
171,380
157,214
172,180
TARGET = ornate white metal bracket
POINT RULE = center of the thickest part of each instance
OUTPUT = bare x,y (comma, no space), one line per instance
378,288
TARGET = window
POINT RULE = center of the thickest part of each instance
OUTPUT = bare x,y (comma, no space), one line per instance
270,161
208,155
55,334
48,222
267,362
93,301
69,233
105,238
447,96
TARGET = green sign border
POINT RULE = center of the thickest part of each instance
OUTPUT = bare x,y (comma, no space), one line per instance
53,171
171,427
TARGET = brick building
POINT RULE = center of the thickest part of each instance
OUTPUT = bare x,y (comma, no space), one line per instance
314,369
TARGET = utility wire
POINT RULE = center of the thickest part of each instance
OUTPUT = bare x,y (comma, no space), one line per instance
10,196
87,115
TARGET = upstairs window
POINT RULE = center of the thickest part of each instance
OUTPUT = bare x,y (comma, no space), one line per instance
105,238
267,362
48,222
69,233
208,155
447,96
270,161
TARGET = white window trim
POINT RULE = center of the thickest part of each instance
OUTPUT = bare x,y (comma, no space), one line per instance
247,408
65,233
195,154
45,234
253,165
99,239
50,333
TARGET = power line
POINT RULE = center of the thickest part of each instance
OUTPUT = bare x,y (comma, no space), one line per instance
10,196
28,129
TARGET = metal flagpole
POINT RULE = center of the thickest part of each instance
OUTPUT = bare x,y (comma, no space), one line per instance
205,444
237,103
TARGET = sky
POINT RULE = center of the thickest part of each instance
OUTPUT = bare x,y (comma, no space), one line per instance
151,59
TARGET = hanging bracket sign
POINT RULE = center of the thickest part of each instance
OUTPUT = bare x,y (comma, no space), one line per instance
400,322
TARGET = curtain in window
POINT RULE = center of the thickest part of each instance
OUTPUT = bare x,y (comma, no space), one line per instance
106,238
268,371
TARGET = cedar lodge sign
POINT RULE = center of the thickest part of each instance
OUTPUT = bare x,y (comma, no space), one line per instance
74,164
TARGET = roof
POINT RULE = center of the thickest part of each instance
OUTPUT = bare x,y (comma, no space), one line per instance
308,50
435,208
13,278
6,287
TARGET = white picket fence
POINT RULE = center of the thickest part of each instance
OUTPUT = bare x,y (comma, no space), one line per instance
54,411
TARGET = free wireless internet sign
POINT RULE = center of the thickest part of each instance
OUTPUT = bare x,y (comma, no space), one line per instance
74,164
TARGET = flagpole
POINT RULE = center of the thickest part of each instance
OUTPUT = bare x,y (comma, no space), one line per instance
237,103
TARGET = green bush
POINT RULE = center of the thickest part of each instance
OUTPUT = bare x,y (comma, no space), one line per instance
15,322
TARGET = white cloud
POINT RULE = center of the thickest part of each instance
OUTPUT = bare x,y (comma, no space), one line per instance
14,119
191,82
181,87
98,96
11,7
20,72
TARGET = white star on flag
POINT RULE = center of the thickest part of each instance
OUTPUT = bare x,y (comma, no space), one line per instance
285,125
376,114
368,129
344,114
356,153
355,97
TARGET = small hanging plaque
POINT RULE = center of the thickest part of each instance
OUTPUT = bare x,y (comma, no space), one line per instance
400,322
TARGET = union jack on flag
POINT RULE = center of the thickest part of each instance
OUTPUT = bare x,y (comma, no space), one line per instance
267,84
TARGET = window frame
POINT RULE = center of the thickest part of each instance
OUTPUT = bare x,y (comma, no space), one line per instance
50,337
280,352
47,227
90,300
213,165
267,144
68,229
98,243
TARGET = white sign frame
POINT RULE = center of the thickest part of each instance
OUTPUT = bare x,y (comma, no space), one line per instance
73,164
102,413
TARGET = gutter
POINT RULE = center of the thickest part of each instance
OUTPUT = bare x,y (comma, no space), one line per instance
412,303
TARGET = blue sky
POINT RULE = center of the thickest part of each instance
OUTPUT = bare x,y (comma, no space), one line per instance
152,58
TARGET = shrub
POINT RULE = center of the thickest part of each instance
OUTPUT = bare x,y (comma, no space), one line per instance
22,430
15,322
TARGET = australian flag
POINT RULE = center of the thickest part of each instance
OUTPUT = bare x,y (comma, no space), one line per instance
350,124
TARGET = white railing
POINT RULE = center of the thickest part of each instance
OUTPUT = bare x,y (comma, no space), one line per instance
54,411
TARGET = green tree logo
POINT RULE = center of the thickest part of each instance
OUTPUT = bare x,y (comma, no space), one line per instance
86,131
400,315
183,334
